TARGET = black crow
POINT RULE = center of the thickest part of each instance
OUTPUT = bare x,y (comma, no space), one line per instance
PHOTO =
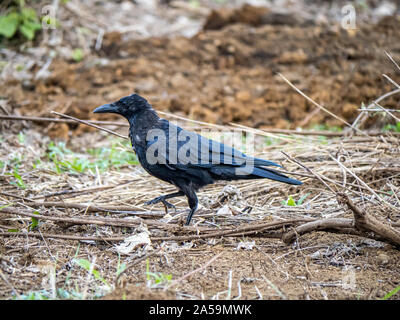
183,158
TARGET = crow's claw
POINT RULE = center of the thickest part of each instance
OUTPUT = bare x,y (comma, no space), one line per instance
154,201
163,201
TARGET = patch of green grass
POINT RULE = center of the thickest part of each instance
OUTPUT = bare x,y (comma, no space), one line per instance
36,163
292,203
73,291
77,55
392,127
271,141
34,222
118,155
323,139
18,182
194,3
34,295
46,295
21,137
103,158
155,279
6,205
391,293
87,265
14,164
120,267
19,20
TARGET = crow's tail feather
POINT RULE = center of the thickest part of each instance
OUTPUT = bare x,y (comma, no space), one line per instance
273,175
223,172
261,162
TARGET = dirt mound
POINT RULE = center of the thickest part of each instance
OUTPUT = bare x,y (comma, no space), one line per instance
251,15
228,75
133,292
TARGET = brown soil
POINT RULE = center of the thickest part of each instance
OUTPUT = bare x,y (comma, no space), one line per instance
295,275
228,75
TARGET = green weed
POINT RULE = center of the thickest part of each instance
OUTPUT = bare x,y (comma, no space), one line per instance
292,203
34,221
87,265
18,182
103,158
19,19
155,279
391,293
77,55
392,127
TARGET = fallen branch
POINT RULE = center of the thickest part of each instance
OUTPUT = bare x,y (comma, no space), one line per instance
92,208
76,192
74,221
318,225
91,125
44,119
70,221
236,232
265,230
61,236
367,223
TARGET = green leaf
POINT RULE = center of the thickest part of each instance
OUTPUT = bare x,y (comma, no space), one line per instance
6,205
291,202
77,55
50,22
20,183
121,269
35,221
391,293
301,200
85,264
9,24
27,32
21,138
29,14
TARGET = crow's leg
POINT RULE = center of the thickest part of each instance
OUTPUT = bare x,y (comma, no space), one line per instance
193,202
163,200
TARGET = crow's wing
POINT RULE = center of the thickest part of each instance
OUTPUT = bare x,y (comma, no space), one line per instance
188,152
179,149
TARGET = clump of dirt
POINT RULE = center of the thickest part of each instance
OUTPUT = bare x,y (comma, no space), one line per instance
251,15
140,292
228,75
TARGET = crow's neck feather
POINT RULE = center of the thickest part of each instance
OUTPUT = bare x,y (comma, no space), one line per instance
145,118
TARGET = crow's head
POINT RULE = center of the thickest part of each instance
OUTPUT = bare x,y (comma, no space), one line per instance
126,106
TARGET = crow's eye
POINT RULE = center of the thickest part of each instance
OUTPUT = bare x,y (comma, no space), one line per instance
122,104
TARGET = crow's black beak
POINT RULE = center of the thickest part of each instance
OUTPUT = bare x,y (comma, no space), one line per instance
106,108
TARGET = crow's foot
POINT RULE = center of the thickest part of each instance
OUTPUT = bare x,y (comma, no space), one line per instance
163,201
